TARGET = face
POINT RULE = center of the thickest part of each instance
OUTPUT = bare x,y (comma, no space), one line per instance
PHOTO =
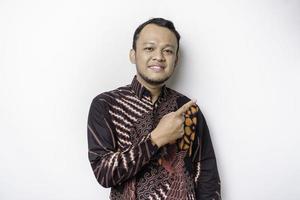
155,55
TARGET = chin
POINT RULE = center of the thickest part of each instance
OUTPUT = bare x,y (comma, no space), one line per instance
156,80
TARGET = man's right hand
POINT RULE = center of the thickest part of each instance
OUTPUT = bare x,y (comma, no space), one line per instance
170,127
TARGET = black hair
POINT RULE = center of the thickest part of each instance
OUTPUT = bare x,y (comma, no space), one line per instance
160,22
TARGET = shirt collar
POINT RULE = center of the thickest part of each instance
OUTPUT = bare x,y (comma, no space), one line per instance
141,90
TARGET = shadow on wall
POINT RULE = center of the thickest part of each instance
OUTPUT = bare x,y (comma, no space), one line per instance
176,78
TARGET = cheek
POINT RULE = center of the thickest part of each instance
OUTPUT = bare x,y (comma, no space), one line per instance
171,62
142,58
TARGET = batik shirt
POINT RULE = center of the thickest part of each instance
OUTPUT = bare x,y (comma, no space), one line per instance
123,157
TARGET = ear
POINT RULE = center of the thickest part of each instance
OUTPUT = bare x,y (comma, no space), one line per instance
132,56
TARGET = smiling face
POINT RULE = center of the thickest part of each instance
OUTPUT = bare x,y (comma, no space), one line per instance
155,55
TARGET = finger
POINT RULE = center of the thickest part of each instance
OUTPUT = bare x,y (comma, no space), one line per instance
182,118
182,133
185,107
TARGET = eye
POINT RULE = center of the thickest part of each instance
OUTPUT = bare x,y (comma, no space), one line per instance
169,51
148,48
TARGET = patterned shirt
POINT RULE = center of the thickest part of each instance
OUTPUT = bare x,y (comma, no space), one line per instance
123,157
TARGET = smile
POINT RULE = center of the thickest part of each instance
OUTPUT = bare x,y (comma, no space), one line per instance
157,68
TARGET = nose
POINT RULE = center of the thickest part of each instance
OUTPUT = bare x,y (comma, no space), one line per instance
158,55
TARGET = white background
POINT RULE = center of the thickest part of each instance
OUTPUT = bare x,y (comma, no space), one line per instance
240,59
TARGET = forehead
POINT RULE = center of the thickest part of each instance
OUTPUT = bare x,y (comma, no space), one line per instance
156,34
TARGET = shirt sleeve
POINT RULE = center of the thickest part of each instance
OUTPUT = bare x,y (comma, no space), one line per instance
206,174
111,165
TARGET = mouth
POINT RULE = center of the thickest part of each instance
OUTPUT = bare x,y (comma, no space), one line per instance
157,68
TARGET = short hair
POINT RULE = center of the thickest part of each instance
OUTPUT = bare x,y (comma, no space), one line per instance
160,22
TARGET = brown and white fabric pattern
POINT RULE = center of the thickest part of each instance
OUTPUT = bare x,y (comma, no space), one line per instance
123,157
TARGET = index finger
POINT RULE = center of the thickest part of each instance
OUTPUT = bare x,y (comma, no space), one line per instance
185,107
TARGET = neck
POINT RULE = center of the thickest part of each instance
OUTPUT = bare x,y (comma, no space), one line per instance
154,89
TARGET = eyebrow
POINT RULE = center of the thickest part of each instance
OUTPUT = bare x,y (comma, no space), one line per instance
169,45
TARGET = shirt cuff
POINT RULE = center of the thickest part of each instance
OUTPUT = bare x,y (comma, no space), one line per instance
153,148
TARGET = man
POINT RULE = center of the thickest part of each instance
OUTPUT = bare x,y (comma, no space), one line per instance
147,141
